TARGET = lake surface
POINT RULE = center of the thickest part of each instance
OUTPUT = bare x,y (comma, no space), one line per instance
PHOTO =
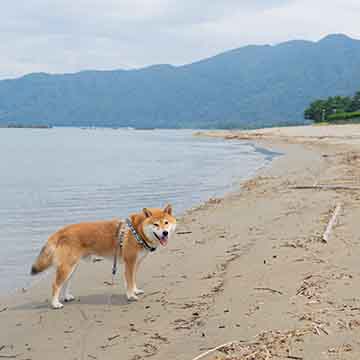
49,178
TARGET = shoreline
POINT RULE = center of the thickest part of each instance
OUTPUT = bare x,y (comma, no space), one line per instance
270,155
110,192
263,237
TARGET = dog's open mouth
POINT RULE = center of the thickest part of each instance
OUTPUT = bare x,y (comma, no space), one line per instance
163,239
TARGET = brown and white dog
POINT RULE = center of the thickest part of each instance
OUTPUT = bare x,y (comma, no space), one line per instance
66,247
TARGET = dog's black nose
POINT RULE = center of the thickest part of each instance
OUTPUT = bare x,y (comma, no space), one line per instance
165,233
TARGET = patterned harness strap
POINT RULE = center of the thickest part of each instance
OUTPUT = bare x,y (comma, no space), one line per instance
122,229
138,238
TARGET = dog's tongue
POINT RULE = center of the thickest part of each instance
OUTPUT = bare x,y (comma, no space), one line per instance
163,241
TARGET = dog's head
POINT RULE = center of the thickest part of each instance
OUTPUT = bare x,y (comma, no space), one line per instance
157,225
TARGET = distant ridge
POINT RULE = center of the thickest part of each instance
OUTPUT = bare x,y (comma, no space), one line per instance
252,86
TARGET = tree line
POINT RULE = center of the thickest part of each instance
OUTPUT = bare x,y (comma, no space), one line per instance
334,108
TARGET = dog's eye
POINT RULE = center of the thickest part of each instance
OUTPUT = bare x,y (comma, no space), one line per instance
166,222
157,225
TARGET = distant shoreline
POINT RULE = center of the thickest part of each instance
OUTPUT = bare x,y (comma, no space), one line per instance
24,126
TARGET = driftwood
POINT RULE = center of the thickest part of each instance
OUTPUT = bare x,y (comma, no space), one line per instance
213,350
325,187
269,289
111,338
331,223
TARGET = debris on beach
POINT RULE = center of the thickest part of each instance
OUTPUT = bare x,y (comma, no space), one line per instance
183,232
341,349
311,286
266,345
273,291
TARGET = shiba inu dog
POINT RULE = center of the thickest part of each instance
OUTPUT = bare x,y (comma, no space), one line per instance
130,240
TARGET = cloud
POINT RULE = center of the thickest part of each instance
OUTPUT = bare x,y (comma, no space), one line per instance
68,36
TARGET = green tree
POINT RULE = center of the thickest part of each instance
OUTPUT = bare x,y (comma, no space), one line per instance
355,103
321,110
316,111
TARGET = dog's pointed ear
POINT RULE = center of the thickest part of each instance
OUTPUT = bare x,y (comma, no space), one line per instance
168,209
147,212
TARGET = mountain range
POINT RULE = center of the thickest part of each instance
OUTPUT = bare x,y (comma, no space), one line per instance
252,86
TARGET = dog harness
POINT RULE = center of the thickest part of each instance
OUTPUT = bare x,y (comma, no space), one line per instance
123,228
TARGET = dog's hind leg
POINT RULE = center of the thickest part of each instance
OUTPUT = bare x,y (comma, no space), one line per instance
66,287
62,274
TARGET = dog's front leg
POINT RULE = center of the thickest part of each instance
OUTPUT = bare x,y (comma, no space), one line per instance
129,278
141,256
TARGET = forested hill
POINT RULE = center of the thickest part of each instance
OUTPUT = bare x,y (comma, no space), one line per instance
248,87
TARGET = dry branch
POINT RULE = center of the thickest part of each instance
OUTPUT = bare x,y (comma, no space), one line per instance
331,223
111,338
269,289
213,350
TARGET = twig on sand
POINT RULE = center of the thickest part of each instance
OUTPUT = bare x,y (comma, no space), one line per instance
213,350
269,289
111,338
83,314
331,223
2,347
183,232
8,356
294,357
4,309
324,187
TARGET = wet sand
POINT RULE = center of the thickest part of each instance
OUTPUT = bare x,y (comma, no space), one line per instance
250,268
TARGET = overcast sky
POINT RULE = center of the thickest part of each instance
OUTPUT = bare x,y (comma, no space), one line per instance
70,35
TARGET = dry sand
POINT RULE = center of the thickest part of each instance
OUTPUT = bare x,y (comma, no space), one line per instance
250,268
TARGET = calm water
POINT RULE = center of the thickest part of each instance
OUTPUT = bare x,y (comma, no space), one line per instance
49,178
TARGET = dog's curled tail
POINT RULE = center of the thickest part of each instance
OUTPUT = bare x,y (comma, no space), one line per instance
44,259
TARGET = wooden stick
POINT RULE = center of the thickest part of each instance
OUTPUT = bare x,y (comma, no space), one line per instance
269,289
213,350
324,187
111,338
331,223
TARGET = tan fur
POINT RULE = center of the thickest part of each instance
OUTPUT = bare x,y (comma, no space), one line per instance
67,246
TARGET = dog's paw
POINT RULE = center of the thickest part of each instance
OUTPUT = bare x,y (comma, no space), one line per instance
132,297
57,304
69,297
139,291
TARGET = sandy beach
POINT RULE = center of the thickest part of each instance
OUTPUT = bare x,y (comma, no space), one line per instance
250,268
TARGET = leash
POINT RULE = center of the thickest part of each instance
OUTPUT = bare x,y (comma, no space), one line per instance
122,230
